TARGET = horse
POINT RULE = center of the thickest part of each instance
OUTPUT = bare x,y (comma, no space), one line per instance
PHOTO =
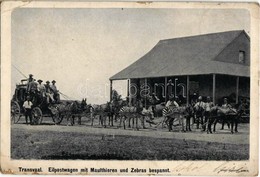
103,111
220,115
199,112
73,109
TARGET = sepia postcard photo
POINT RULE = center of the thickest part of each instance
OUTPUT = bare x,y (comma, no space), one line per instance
129,88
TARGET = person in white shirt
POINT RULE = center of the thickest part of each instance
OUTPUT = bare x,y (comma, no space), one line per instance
171,104
41,88
55,91
49,93
208,105
225,105
199,111
27,105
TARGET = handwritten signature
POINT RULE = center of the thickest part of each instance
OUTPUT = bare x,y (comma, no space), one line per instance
230,168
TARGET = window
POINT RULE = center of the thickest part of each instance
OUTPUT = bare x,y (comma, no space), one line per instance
242,56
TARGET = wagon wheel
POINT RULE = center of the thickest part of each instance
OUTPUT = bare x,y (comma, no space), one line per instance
36,116
15,112
57,118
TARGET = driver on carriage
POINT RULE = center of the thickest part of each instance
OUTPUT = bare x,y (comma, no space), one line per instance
29,79
32,88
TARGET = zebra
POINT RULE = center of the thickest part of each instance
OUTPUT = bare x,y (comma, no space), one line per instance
128,113
171,113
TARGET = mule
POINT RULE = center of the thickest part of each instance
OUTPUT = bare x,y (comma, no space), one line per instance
220,115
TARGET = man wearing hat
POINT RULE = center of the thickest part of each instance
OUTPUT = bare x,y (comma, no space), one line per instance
225,106
208,105
30,79
55,91
27,105
41,88
171,105
48,91
199,109
32,88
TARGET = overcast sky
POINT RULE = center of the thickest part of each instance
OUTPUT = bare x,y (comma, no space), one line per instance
82,48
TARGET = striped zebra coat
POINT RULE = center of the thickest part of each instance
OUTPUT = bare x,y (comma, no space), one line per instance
182,114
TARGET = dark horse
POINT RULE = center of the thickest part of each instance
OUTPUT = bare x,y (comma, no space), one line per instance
103,111
220,115
199,112
76,109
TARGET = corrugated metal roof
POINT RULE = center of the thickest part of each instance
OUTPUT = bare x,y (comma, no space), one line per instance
185,56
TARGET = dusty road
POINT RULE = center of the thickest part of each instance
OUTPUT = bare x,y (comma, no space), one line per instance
221,136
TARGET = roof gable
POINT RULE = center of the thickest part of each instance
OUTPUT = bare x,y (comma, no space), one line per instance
230,53
180,56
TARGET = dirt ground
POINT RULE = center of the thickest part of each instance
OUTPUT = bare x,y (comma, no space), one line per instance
49,141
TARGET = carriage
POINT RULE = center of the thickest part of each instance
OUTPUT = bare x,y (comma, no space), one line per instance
40,107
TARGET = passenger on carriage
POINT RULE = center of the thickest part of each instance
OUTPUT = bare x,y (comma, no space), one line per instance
41,88
55,91
32,88
49,93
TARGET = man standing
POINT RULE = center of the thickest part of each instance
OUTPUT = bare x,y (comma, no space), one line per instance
170,106
153,101
30,78
55,92
226,106
208,105
27,105
199,110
